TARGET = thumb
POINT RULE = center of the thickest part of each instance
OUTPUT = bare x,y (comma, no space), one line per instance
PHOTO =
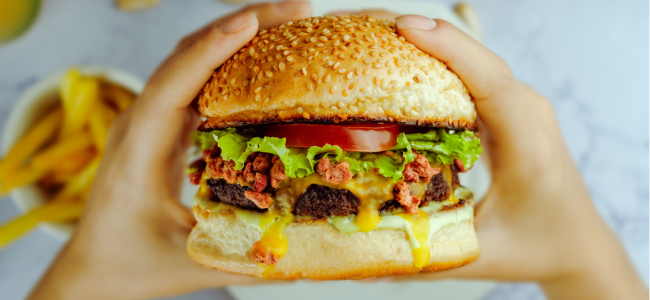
487,77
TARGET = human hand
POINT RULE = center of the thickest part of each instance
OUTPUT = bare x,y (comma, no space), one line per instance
537,221
130,242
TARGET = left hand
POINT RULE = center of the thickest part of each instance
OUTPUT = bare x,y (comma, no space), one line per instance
130,242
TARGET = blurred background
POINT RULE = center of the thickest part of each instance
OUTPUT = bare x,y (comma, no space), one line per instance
590,58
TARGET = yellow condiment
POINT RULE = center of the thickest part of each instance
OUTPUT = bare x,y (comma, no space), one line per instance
419,231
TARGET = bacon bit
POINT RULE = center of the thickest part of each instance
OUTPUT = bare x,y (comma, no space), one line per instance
198,166
214,167
419,168
248,174
206,154
261,200
277,172
459,164
262,162
263,256
261,181
323,166
402,192
229,173
339,173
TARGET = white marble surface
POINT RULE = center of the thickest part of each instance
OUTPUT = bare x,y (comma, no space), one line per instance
589,57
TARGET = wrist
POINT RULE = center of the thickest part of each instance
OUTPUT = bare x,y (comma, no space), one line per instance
601,270
73,276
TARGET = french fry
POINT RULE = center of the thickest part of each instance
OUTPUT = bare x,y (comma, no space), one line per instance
50,212
79,183
50,156
72,154
20,177
117,95
74,162
78,95
100,121
38,135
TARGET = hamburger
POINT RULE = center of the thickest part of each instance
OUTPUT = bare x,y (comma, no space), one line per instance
331,150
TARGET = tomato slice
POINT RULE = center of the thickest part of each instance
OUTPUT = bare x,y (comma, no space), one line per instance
354,137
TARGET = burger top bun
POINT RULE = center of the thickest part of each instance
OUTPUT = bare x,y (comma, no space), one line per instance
343,69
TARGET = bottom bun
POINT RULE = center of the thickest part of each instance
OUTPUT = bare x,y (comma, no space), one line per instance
318,251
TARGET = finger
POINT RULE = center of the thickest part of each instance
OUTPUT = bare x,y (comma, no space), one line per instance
159,114
268,14
485,74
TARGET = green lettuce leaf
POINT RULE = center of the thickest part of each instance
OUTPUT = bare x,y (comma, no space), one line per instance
436,145
295,161
328,150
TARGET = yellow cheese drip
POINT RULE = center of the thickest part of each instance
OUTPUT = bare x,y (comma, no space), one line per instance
273,239
204,190
446,171
420,232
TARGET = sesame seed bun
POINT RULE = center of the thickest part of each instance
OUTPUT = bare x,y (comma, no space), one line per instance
334,70
318,251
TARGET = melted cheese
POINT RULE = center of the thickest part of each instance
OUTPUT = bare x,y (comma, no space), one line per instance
372,190
420,226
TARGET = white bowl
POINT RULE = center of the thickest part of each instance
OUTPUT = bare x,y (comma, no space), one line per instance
36,100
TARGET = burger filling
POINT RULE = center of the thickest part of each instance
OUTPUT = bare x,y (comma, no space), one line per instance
391,174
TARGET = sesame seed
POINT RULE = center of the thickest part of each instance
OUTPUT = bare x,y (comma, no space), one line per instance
346,37
323,38
341,71
349,75
258,89
336,43
327,78
246,81
257,97
378,66
310,86
256,69
281,66
336,65
252,50
268,73
341,56
333,90
293,44
232,82
305,115
299,110
314,77
290,58
304,71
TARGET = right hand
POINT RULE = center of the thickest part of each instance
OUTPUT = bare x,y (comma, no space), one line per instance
537,221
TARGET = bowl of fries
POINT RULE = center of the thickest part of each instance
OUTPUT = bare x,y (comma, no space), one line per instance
53,144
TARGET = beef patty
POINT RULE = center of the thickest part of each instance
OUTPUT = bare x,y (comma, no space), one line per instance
232,194
320,202
437,190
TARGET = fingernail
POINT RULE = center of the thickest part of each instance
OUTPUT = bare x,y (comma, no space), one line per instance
415,22
238,23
